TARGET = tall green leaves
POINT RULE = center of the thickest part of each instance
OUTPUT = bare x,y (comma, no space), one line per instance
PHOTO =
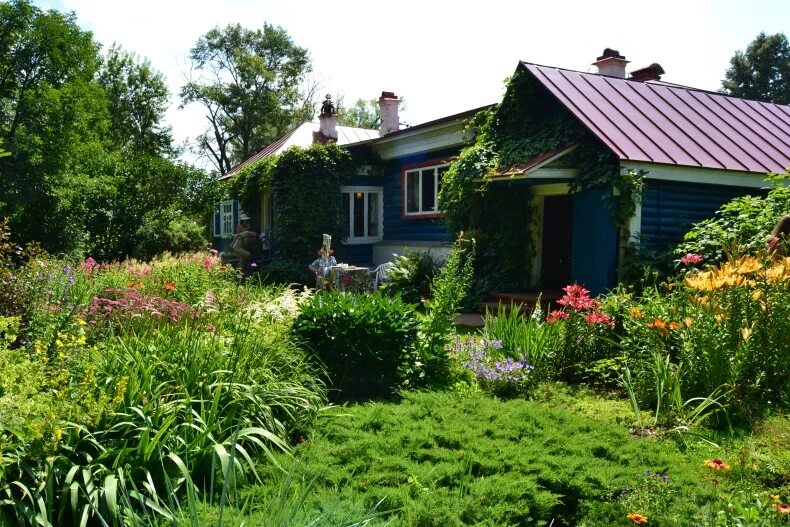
449,288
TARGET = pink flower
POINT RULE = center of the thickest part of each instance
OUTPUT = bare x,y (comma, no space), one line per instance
556,315
577,297
596,317
207,262
253,265
691,259
89,265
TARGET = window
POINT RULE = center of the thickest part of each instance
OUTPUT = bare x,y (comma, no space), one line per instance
362,213
421,187
226,219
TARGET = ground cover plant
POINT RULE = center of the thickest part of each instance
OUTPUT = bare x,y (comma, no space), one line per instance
450,459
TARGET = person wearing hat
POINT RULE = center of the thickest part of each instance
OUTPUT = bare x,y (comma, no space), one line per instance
242,240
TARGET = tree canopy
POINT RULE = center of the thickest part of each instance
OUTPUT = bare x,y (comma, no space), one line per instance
364,113
89,168
762,72
250,83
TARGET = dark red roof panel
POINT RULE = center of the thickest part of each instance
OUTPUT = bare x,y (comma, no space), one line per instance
657,122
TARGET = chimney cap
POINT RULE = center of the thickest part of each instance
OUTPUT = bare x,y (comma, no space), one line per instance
609,53
652,72
388,95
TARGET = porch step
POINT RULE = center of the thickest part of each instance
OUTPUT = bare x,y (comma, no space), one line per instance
525,302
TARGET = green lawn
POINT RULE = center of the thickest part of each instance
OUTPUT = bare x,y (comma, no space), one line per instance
443,459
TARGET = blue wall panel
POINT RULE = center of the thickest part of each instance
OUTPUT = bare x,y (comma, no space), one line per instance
669,208
395,227
356,254
594,247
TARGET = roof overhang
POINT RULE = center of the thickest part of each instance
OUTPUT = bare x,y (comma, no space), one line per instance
535,168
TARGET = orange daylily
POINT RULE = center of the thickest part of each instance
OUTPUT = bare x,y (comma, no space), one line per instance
638,519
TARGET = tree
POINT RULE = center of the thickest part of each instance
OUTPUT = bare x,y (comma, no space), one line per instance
250,86
137,98
48,107
362,114
762,72
88,170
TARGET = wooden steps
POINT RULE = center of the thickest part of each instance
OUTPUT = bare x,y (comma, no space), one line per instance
524,301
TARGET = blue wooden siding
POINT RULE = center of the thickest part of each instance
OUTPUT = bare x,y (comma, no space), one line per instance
594,246
669,208
395,227
360,254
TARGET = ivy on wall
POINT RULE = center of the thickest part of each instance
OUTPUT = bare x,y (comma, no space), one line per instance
529,122
305,186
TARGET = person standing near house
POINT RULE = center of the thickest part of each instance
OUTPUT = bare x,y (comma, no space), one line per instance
780,237
242,240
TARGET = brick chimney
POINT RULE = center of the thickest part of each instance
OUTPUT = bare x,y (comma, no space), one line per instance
388,113
327,131
649,73
611,63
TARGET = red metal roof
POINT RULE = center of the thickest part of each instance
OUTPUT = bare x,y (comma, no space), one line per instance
657,122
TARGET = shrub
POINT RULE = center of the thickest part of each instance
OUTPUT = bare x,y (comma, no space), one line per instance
741,226
365,341
286,272
411,276
168,230
437,326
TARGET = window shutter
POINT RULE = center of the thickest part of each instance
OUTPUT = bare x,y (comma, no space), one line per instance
235,215
217,220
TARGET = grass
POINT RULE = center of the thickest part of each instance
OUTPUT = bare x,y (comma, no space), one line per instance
441,459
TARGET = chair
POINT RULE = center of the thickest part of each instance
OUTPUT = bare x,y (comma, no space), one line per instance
381,274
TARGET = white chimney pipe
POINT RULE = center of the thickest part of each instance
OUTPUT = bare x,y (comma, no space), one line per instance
611,63
388,113
327,131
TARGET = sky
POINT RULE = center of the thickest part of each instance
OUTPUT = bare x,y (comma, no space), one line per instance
443,57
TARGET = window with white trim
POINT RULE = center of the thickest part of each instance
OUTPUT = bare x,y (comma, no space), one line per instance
363,214
420,190
226,219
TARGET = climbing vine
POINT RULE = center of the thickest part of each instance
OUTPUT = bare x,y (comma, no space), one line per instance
529,122
305,184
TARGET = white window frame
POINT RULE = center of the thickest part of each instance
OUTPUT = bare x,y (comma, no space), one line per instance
354,240
419,171
222,216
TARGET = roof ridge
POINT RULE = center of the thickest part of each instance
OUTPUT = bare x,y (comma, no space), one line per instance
654,83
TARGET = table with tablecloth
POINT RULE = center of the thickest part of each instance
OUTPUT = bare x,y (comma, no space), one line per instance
347,278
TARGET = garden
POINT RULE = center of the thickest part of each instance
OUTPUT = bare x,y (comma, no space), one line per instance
176,391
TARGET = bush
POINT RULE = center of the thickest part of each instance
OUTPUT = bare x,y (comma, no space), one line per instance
437,326
741,226
365,342
169,230
286,272
411,276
